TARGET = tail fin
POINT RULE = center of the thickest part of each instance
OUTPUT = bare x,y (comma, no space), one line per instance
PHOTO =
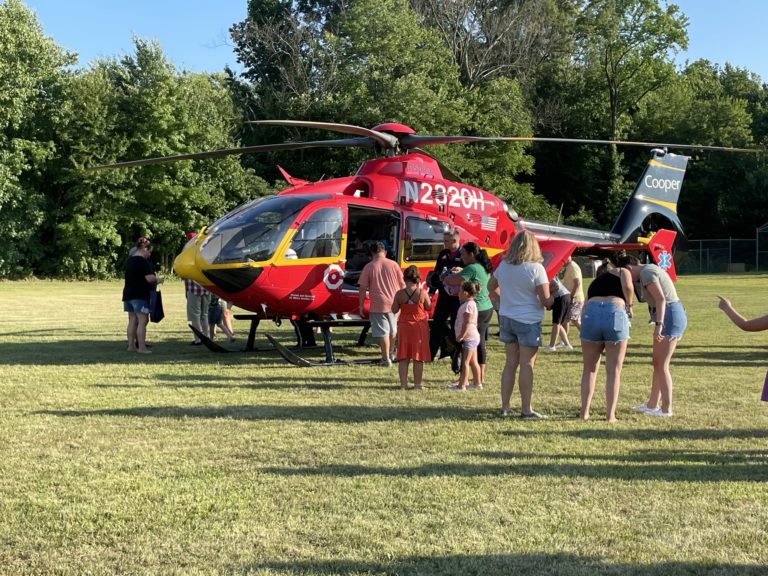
656,192
660,247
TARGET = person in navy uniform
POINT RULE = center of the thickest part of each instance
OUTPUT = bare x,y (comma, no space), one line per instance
444,317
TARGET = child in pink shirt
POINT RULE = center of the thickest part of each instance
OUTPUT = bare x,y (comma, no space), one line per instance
469,337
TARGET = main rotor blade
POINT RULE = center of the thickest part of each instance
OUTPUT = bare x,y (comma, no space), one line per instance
384,140
346,142
411,141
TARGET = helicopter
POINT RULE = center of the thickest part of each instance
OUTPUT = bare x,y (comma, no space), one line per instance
297,255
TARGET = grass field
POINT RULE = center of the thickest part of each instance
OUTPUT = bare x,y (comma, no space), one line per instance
187,462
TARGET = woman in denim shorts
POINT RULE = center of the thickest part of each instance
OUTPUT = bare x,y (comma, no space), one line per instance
605,327
521,282
669,320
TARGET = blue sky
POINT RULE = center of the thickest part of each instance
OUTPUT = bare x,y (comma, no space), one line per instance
193,33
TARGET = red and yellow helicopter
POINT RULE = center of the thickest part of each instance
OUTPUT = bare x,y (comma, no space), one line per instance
297,255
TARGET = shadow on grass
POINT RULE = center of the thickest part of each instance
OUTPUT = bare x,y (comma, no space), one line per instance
664,470
221,382
502,564
68,352
348,414
651,434
643,456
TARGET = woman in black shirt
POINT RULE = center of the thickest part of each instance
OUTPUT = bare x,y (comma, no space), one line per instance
139,280
605,326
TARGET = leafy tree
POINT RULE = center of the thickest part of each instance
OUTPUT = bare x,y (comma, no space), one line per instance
31,78
497,38
626,49
386,66
136,108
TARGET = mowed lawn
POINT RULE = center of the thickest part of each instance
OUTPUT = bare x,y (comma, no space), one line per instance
188,462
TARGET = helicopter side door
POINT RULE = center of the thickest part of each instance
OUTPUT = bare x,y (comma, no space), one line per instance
423,242
365,226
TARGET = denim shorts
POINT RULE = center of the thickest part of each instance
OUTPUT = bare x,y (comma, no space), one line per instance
675,320
514,332
137,306
604,322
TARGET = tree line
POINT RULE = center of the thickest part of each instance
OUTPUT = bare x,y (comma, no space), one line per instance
598,69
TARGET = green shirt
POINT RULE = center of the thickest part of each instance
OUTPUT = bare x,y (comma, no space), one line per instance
476,274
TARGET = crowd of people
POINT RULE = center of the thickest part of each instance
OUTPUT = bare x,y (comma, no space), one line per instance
467,285
467,288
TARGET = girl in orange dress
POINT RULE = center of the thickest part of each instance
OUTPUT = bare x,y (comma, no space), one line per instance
412,327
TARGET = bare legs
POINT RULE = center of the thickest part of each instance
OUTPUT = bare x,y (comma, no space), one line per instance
523,357
418,373
661,385
132,322
137,332
559,332
590,352
614,361
469,362
386,345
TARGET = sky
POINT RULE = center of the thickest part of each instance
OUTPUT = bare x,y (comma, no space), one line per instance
194,33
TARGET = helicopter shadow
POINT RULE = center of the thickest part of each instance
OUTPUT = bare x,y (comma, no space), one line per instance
562,564
342,414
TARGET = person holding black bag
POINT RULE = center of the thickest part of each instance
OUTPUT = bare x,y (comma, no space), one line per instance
140,280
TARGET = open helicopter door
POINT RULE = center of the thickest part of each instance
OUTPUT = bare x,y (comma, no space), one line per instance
365,226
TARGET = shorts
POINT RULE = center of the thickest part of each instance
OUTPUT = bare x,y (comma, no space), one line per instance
137,306
383,324
560,309
470,344
215,314
574,312
604,322
514,332
675,320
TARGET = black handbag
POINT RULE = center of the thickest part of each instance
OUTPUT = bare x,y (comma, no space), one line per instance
156,312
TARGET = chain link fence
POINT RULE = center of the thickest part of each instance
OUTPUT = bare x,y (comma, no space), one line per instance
727,255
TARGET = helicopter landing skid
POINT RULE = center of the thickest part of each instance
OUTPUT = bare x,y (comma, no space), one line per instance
296,360
208,343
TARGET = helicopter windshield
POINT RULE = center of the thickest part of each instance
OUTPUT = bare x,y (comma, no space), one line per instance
252,232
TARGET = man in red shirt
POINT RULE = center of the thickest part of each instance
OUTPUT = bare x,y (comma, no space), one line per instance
382,278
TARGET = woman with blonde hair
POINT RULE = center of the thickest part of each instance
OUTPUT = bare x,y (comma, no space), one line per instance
523,288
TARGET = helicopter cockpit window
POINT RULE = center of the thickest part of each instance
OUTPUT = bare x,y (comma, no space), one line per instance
252,233
423,240
319,236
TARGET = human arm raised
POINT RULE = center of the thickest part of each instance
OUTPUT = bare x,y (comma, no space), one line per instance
753,325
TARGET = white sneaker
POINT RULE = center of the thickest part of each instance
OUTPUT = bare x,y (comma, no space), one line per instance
642,408
565,346
386,363
658,412
549,349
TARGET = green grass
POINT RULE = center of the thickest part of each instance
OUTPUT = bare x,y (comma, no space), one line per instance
187,462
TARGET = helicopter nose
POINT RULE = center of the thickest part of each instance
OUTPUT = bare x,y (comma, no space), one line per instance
185,265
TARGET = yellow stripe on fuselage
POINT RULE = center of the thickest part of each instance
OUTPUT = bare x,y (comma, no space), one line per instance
662,165
670,205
